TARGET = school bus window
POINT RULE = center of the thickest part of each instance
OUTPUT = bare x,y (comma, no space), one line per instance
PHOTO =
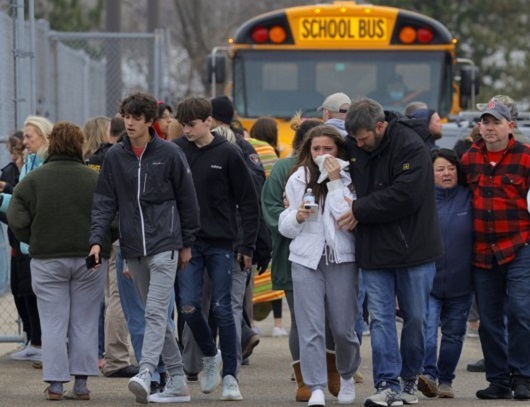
358,76
278,76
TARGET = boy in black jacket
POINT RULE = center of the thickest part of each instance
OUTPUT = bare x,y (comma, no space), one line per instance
149,182
222,181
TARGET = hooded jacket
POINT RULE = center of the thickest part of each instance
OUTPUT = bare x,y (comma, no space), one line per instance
154,195
223,181
311,238
395,206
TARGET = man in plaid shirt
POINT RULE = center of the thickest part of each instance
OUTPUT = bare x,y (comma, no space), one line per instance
498,172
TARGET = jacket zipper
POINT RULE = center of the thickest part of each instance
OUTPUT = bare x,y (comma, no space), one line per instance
172,219
404,238
138,201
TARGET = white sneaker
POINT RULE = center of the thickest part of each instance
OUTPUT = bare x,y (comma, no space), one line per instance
176,391
279,331
140,386
28,353
347,391
211,372
317,399
231,389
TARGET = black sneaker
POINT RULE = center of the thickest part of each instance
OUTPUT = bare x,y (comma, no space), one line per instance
521,388
477,367
494,392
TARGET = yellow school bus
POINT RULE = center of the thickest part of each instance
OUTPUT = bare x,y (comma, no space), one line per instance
290,59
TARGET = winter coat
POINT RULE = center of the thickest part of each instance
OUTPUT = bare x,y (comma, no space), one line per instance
154,194
272,205
312,238
395,206
50,209
453,269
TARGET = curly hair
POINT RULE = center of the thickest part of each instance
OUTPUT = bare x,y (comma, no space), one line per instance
138,104
66,139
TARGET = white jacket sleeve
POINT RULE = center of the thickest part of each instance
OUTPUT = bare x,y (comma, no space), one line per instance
337,191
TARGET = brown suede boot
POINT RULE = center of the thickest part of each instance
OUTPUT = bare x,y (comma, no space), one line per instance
302,392
333,374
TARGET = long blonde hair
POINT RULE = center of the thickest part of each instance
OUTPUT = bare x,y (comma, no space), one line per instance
95,131
44,128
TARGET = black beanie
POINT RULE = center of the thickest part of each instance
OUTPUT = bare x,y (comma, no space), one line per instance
424,114
222,109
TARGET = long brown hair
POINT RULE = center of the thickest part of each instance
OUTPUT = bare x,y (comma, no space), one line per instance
306,160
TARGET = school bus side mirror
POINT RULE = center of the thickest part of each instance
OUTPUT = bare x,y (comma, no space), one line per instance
469,84
215,69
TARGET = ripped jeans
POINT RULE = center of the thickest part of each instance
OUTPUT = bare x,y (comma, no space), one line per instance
218,265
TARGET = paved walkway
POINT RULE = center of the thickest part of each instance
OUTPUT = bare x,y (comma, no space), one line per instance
265,382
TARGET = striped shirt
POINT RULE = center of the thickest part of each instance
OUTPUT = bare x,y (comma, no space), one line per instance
266,154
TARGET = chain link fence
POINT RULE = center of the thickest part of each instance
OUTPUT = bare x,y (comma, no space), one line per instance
71,77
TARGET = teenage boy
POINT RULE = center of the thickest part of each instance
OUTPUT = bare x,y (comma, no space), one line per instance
223,182
148,181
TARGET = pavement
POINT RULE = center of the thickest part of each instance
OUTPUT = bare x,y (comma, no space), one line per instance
265,382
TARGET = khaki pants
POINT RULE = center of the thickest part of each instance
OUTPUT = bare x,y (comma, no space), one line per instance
116,332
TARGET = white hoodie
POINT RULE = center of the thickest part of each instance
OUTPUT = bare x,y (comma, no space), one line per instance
310,238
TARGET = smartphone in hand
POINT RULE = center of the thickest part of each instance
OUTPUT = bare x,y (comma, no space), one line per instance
91,261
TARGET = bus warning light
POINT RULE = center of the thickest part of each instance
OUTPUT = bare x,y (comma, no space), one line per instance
407,35
260,35
277,34
425,35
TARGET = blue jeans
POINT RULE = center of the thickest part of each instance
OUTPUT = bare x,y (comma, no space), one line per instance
134,312
359,321
218,265
452,314
503,289
412,287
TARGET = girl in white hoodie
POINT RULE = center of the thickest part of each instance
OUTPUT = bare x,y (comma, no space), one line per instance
325,278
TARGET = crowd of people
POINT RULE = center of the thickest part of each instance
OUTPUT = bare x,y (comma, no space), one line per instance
165,215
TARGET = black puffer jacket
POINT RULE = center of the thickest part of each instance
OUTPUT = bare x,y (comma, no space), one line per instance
396,210
154,195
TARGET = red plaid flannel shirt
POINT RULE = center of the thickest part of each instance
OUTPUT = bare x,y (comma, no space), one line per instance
501,222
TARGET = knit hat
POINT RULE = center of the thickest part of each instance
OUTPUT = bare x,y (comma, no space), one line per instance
424,114
222,109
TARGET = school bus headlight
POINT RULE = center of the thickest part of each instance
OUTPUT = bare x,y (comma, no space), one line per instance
425,35
260,35
407,35
277,34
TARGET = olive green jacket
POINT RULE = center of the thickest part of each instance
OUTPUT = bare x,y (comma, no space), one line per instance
272,206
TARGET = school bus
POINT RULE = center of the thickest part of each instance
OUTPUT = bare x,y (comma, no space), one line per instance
291,59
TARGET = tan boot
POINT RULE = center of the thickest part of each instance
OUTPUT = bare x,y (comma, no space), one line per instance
333,374
302,392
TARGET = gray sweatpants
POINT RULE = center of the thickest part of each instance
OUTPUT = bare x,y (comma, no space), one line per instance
66,296
154,279
330,290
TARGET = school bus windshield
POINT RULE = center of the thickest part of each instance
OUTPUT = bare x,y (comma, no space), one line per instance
289,81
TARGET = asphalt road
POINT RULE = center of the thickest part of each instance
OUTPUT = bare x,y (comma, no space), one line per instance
265,382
